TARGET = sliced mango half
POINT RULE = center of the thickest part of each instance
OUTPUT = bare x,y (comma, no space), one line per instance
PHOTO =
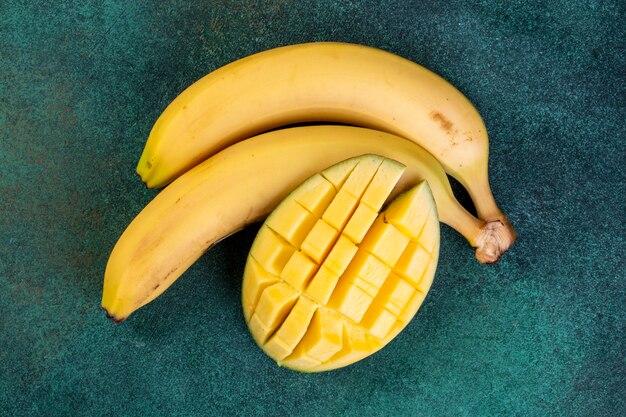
332,277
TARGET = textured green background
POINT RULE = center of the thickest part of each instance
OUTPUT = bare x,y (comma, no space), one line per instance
540,333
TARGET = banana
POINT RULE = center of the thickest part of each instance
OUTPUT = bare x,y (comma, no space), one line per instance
325,81
242,184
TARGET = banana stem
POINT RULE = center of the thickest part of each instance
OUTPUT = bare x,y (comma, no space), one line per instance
497,234
494,239
490,238
480,193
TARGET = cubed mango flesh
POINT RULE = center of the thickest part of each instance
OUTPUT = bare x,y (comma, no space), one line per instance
323,337
322,285
274,304
339,173
271,251
287,337
360,223
319,241
293,222
330,279
340,209
411,211
385,241
315,194
362,175
298,270
340,255
255,280
387,176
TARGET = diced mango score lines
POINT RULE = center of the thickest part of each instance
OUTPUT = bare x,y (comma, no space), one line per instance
329,279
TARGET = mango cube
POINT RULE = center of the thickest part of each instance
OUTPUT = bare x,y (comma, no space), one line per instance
323,337
256,279
429,236
412,263
339,173
299,359
361,175
271,251
298,270
291,221
360,222
412,306
411,209
386,178
322,285
282,343
315,194
340,255
350,300
368,267
357,344
378,322
385,242
274,305
394,295
369,289
340,209
319,241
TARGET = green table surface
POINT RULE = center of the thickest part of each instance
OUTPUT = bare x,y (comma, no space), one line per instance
541,333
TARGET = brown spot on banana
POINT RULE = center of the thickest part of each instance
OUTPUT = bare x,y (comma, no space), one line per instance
444,123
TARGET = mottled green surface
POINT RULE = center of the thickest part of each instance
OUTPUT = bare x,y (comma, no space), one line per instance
541,333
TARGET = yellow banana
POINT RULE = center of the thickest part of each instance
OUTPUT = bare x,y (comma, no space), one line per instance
241,185
323,81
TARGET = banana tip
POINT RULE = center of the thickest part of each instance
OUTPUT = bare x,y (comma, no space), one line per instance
147,180
142,180
113,317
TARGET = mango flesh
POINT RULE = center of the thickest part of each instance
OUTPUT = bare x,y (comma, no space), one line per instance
330,279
